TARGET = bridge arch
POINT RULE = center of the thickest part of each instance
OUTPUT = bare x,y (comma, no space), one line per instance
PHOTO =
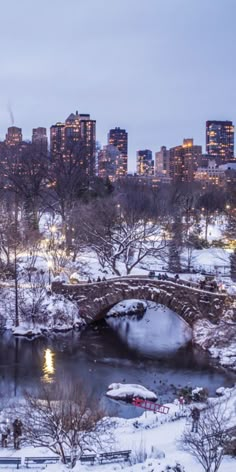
190,303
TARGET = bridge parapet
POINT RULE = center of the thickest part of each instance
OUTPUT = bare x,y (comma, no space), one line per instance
95,299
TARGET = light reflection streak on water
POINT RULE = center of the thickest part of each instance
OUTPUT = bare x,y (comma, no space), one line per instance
48,366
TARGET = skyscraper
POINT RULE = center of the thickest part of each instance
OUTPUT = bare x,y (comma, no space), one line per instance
57,139
119,138
145,164
220,139
184,161
76,139
40,141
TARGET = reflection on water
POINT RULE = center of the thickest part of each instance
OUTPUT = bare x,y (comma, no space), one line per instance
151,351
159,332
48,366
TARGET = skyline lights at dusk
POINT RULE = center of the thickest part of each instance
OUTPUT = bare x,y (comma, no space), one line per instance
157,69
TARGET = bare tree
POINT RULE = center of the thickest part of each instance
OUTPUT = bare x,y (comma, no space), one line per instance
7,223
67,182
25,172
31,300
118,236
209,443
208,203
61,419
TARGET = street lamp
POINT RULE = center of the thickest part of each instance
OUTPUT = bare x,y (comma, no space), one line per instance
53,229
49,271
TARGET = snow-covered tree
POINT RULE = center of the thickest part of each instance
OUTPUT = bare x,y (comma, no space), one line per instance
121,239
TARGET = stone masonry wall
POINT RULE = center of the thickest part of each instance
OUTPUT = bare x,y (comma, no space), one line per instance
94,299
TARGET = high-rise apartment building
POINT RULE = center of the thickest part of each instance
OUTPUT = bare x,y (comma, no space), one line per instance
40,141
57,139
162,162
220,139
110,163
119,138
13,136
76,139
184,161
145,164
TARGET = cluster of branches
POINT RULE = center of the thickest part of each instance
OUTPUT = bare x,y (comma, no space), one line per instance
211,441
62,418
119,235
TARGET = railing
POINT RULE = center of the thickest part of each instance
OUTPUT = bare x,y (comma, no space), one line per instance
185,283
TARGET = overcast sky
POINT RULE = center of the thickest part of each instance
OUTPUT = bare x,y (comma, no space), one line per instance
159,68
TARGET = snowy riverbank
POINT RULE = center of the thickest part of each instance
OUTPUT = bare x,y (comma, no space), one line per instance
219,340
39,313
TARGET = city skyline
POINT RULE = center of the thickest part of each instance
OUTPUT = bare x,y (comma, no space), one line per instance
157,70
132,163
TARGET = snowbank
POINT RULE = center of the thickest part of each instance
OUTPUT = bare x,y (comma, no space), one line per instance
120,391
38,313
219,340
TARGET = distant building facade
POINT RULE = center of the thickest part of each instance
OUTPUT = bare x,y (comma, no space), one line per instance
145,164
13,136
119,138
110,163
162,162
151,181
184,161
211,175
220,139
40,141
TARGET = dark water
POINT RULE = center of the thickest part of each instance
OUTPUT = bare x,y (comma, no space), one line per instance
153,351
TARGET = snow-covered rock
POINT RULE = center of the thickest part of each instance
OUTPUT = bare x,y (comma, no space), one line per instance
128,307
75,277
120,391
62,278
231,290
220,391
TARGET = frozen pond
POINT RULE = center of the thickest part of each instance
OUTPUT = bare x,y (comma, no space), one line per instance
153,350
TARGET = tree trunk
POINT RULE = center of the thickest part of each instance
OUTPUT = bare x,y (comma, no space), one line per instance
16,290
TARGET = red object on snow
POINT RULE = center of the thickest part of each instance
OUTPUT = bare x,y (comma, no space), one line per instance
148,405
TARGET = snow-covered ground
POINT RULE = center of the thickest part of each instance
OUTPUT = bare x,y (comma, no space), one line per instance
215,229
153,438
215,260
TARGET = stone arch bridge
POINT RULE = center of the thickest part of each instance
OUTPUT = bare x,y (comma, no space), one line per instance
189,302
